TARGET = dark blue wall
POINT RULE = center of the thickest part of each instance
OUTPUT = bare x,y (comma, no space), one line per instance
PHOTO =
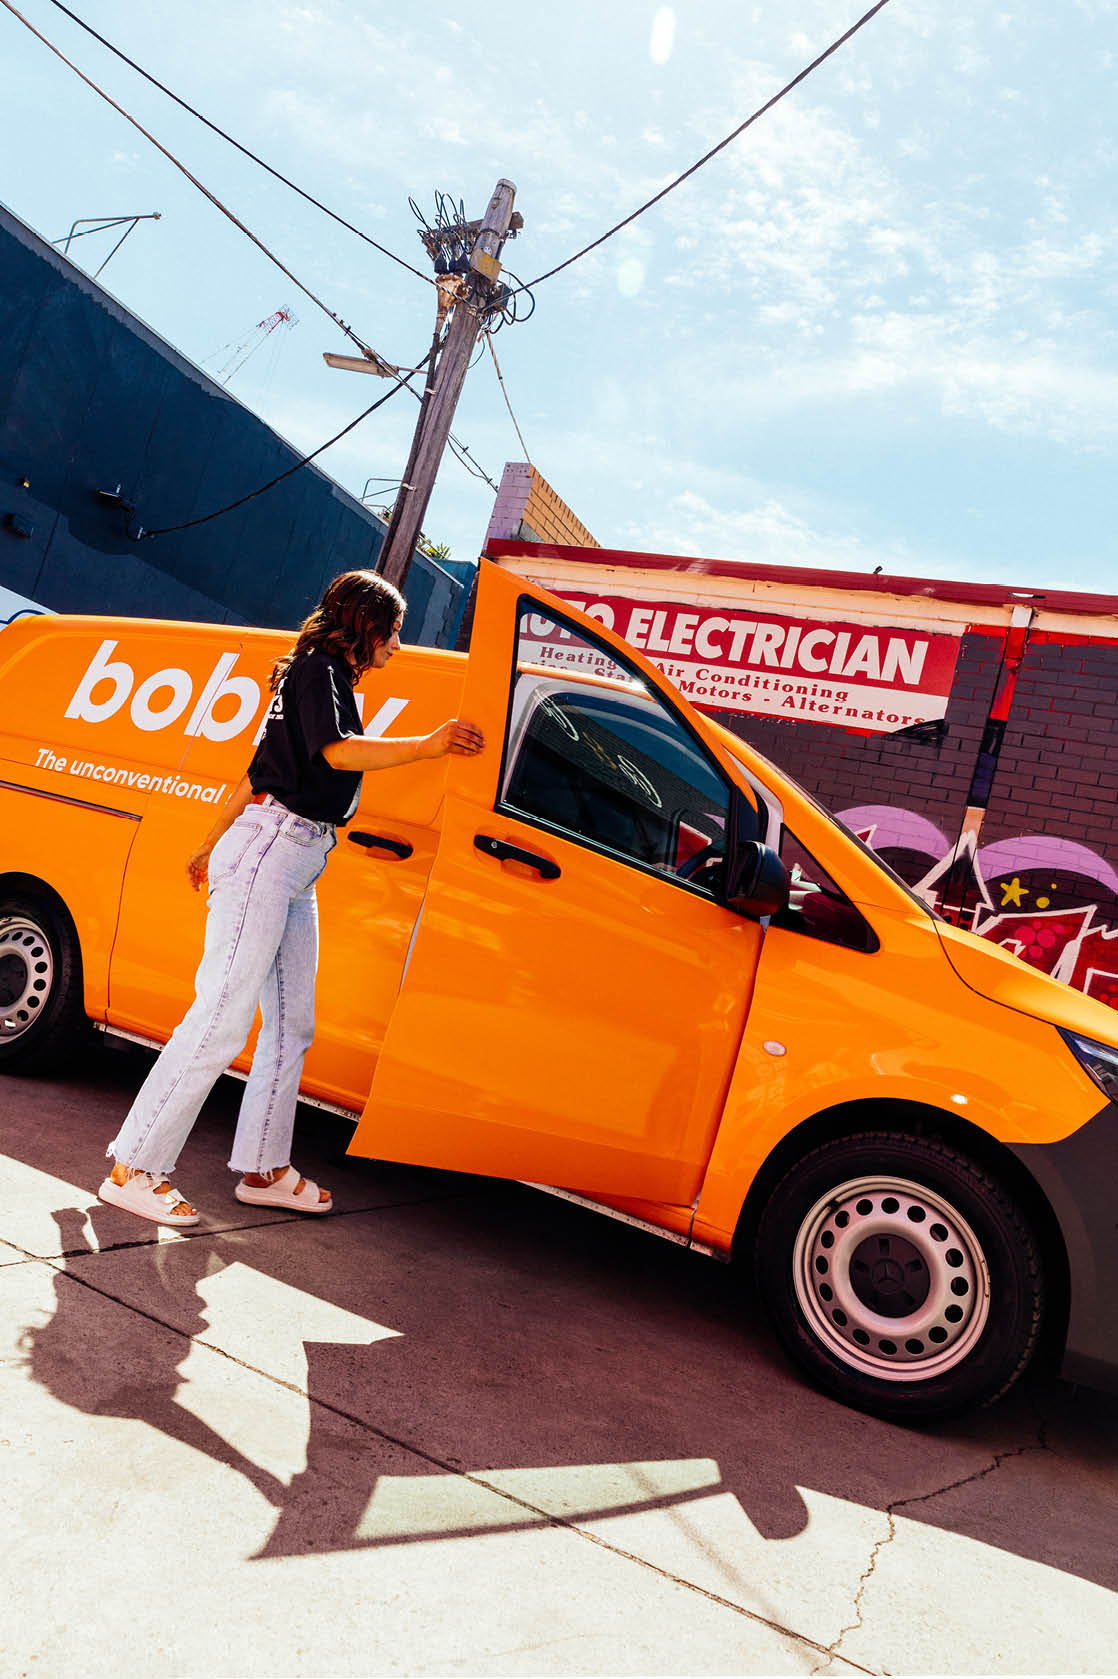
91,399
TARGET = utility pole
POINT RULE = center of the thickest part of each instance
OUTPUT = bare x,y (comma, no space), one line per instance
468,296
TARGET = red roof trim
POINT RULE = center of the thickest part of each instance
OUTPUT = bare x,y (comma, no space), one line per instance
971,594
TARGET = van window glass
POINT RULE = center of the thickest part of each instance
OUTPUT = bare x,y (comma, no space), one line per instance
595,754
817,905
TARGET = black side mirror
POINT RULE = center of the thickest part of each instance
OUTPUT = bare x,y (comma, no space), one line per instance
757,883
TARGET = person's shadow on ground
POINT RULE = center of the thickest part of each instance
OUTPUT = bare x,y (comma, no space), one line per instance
70,1356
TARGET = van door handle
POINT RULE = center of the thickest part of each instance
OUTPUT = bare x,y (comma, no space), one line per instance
398,848
502,850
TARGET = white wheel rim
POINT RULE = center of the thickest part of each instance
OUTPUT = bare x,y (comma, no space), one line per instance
891,1279
26,975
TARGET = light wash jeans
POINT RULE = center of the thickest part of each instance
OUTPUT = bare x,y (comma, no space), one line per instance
261,946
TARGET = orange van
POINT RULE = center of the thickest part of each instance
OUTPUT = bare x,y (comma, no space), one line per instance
620,956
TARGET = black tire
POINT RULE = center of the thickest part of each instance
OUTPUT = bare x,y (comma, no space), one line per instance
42,1014
901,1276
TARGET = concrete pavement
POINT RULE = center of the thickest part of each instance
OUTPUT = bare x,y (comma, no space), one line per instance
459,1428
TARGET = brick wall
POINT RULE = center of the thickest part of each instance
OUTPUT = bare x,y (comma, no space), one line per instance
528,509
1059,766
1048,884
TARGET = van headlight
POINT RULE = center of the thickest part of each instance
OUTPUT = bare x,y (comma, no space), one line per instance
1099,1060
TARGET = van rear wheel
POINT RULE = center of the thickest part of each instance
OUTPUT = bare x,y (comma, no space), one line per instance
901,1275
41,1008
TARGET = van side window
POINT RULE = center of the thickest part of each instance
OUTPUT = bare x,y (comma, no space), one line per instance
817,905
594,754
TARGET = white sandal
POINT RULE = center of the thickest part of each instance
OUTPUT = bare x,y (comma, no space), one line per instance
281,1192
138,1195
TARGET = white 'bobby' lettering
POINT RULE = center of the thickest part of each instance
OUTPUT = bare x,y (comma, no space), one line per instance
151,708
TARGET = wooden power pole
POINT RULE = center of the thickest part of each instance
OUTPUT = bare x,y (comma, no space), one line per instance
469,296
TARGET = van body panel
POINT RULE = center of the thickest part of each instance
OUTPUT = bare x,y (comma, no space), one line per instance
1076,1175
63,820
83,865
830,1026
586,1025
996,973
663,1215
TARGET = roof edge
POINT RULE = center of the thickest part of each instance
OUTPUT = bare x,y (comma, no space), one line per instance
933,588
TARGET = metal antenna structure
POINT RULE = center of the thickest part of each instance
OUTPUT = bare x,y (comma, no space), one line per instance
248,346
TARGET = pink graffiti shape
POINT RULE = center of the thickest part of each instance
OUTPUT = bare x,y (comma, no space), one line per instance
1043,851
896,826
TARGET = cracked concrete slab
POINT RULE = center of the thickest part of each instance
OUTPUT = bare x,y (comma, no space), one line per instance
473,1430
131,1486
931,1597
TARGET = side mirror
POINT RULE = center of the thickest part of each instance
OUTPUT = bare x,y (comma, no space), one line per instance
757,883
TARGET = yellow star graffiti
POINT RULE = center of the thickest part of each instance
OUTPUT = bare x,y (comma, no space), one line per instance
1013,892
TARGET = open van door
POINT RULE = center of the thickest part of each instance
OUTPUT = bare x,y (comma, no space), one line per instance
576,990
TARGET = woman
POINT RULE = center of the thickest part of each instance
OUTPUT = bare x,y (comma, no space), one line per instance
263,855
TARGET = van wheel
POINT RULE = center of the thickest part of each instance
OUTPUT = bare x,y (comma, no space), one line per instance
901,1275
41,1006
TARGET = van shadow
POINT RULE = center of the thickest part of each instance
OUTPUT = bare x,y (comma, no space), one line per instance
582,1369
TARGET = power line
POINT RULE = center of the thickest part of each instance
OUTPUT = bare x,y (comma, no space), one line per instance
505,394
714,150
461,453
186,106
193,179
143,535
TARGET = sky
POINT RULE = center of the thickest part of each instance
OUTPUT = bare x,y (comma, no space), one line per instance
878,330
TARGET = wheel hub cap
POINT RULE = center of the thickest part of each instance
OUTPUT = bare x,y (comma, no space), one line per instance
888,1274
891,1278
26,975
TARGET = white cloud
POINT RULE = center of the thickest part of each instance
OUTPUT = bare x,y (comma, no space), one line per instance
767,534
663,35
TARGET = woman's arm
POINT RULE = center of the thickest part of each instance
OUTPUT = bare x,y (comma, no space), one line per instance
360,752
230,810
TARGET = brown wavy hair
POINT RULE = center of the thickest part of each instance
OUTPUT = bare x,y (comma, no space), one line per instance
358,611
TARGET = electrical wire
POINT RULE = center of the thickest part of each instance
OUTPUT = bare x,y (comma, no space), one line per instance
474,468
505,394
142,535
714,150
193,179
214,128
504,308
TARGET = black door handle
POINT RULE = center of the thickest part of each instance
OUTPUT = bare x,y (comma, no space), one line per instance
398,848
502,850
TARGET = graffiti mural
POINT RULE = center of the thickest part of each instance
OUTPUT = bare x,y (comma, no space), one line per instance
1052,902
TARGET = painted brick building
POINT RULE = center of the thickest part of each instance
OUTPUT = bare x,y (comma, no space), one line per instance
972,748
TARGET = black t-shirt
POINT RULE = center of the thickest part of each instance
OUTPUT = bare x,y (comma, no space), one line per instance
313,706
